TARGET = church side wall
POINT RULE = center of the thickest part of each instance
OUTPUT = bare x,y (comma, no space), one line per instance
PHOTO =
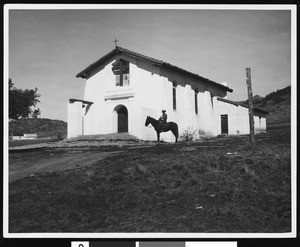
206,112
154,93
238,118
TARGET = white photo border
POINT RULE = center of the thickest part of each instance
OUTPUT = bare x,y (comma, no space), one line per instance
157,235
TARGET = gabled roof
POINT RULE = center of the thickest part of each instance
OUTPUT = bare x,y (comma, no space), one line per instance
119,50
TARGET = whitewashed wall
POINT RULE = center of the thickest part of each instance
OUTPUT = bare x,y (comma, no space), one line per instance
260,124
75,113
147,95
238,118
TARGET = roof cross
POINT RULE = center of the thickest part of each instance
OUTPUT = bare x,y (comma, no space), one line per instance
115,41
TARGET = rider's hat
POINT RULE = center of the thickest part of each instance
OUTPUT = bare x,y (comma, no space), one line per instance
163,110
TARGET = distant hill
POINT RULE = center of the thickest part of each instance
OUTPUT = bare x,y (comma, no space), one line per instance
43,127
278,104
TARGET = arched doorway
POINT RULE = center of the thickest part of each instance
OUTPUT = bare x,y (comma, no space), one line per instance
122,118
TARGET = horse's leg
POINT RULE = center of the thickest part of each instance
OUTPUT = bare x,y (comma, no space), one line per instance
157,135
175,134
174,130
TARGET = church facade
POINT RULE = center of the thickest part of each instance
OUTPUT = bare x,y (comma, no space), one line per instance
124,87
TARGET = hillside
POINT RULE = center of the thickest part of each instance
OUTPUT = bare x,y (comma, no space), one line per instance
43,127
278,104
218,185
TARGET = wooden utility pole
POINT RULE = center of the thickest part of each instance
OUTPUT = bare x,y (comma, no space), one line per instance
250,102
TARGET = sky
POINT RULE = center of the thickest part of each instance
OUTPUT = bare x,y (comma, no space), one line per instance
47,48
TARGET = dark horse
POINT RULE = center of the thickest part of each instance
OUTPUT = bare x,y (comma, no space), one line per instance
167,126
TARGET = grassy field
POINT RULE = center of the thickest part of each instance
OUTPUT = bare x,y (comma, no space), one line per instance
217,185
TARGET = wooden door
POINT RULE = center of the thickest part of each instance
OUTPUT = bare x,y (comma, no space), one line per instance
224,124
122,120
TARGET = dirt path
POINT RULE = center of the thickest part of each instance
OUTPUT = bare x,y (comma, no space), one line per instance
42,161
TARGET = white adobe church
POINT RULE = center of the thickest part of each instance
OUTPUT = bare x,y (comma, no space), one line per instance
123,87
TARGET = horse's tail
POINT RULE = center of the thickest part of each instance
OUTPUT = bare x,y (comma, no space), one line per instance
175,130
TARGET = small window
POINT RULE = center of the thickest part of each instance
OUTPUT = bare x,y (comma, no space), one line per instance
174,96
126,79
224,124
121,71
196,102
212,101
117,80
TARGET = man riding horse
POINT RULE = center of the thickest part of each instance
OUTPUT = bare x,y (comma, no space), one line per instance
162,125
162,119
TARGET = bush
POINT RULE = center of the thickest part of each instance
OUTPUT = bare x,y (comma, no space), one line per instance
57,136
60,136
278,99
189,135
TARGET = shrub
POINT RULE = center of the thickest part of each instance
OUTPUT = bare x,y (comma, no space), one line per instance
57,136
189,135
278,99
60,136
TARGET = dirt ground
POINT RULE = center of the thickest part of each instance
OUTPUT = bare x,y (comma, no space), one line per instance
52,160
220,184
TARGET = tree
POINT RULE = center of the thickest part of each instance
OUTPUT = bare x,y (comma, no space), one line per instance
23,102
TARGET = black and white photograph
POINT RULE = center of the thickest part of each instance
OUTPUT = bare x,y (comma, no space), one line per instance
149,121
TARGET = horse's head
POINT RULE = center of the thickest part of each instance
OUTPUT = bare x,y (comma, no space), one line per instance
147,121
